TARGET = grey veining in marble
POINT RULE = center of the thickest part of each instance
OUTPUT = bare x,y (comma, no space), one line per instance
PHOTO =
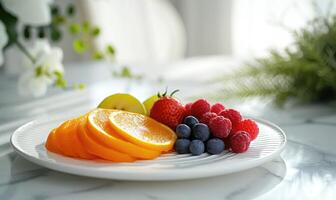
305,170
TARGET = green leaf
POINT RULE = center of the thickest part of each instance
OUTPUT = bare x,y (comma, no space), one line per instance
71,10
95,31
55,34
55,10
74,28
97,55
85,26
58,74
110,50
27,32
79,86
10,22
126,72
39,71
79,46
41,32
60,82
58,20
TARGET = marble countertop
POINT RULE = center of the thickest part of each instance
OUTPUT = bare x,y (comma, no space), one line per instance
306,168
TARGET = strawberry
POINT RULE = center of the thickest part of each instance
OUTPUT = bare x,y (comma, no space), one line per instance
168,110
188,109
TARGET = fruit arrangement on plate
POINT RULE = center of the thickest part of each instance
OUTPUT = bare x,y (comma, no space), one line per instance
122,129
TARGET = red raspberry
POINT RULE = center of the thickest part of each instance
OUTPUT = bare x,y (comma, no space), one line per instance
220,127
199,107
188,109
205,119
233,115
217,108
240,142
227,142
249,126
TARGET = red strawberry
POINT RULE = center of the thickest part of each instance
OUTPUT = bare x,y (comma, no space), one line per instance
188,109
249,126
168,111
199,107
217,108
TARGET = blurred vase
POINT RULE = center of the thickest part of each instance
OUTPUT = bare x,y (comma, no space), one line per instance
13,61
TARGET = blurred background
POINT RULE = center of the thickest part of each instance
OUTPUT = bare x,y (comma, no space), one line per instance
166,31
171,40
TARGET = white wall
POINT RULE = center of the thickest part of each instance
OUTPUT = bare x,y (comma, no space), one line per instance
208,25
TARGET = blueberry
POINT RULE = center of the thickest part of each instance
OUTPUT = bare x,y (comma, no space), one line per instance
215,146
190,121
182,146
196,147
183,131
201,132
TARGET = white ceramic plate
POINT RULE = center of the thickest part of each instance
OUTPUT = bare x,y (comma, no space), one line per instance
29,141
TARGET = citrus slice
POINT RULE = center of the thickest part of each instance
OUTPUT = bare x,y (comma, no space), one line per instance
122,101
100,130
51,143
78,147
99,150
142,130
62,135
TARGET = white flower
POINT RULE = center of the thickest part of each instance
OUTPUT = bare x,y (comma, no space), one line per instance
34,12
3,40
31,85
38,76
46,56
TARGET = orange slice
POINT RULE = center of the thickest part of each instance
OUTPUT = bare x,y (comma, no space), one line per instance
63,135
51,143
78,147
99,150
100,130
142,130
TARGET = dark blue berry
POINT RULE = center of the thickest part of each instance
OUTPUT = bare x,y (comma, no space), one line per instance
182,146
215,146
201,132
183,131
190,121
196,147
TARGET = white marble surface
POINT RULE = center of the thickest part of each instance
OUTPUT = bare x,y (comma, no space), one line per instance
305,170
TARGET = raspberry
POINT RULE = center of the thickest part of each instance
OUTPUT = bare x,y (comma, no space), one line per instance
233,115
188,109
205,119
217,108
199,107
220,127
227,142
240,142
249,126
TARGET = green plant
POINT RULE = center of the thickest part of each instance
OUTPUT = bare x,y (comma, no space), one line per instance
305,71
82,32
